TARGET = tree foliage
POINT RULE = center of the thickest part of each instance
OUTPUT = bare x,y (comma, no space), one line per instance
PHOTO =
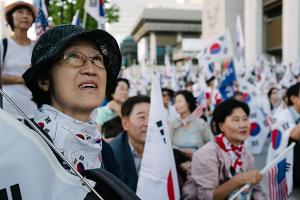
62,12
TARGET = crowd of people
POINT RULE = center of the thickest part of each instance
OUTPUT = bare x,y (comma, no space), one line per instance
62,80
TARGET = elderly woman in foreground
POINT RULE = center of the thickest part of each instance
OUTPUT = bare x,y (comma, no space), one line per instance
72,70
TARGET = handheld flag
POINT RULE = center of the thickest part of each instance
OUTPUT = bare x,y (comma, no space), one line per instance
226,86
239,43
76,18
259,131
26,162
218,49
282,125
279,177
158,176
250,92
95,8
277,180
41,23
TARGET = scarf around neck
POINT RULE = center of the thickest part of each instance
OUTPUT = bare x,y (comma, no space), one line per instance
234,152
79,142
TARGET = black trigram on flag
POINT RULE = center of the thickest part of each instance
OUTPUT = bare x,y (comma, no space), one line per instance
14,190
161,130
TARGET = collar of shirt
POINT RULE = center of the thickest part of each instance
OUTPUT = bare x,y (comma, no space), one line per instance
136,158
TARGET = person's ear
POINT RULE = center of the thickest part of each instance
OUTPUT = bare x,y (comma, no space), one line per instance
125,123
220,125
293,99
43,84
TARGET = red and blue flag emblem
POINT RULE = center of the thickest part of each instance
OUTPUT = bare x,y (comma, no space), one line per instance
276,138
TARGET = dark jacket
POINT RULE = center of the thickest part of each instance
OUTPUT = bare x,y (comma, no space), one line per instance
123,154
109,160
107,185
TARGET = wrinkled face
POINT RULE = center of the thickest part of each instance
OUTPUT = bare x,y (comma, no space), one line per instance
137,122
236,126
22,18
78,90
121,93
181,105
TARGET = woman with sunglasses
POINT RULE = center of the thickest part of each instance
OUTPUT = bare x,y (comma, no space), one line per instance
72,71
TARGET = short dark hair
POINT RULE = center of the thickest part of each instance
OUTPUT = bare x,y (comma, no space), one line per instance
128,105
112,127
292,91
223,110
189,98
9,15
209,80
40,96
189,83
116,84
169,91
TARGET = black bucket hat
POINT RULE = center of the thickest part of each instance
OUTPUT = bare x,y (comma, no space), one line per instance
52,43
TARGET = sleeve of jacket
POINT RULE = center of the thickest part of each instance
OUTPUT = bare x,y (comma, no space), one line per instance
109,160
205,171
257,192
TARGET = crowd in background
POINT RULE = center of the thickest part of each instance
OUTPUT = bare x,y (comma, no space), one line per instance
207,131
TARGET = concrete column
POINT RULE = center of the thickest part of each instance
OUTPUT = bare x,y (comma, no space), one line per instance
253,30
290,31
179,37
213,18
152,48
142,50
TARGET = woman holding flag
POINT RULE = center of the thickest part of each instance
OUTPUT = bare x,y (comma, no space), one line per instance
222,166
72,70
189,132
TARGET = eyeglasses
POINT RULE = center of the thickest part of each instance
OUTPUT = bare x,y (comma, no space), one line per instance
77,59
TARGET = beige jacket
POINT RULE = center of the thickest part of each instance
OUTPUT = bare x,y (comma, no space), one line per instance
210,168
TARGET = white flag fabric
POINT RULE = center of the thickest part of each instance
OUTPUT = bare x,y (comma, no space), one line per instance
282,124
158,176
260,128
95,8
239,42
29,169
250,94
218,49
76,18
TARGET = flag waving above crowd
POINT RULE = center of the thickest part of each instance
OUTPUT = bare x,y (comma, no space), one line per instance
41,23
218,49
95,8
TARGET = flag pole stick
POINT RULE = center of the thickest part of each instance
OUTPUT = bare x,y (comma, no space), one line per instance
265,169
84,19
37,129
